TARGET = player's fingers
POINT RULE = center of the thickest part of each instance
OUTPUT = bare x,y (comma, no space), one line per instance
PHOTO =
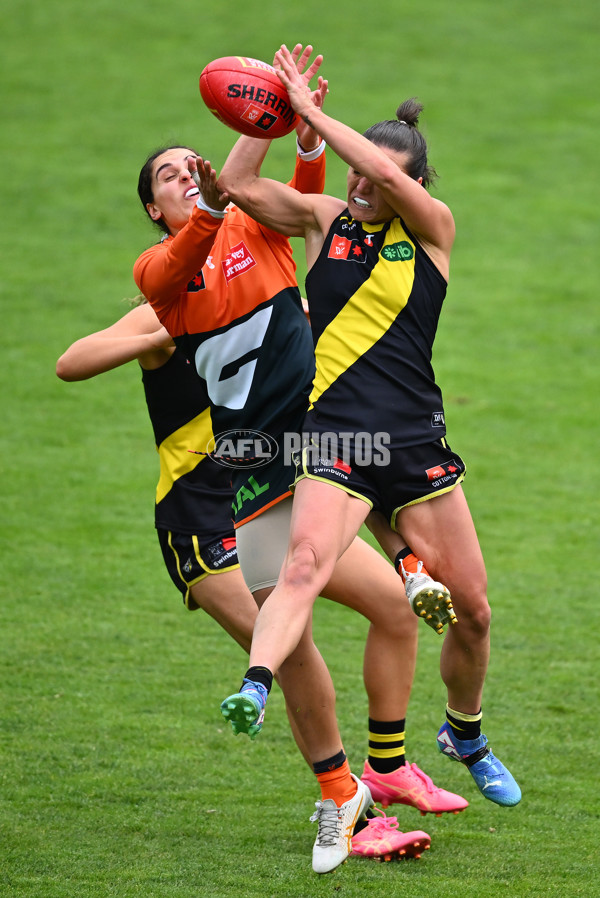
278,60
314,67
285,56
304,57
284,70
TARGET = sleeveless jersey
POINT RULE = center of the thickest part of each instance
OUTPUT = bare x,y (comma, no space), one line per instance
375,298
194,493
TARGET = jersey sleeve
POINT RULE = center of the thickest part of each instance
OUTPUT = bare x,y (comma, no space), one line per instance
309,176
164,270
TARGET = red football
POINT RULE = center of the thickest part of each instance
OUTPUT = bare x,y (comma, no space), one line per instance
247,95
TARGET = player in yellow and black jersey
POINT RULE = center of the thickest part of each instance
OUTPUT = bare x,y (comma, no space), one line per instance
378,266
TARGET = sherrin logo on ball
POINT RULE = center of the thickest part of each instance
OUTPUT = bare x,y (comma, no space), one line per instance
246,95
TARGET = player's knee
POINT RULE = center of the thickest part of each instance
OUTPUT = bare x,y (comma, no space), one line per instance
304,566
476,616
396,619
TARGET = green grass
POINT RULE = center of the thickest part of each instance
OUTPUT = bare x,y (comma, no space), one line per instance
117,776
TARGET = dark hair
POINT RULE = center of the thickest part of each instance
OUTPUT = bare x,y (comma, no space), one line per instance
403,136
144,187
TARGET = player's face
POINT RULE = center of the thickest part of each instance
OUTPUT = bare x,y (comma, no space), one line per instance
365,200
173,188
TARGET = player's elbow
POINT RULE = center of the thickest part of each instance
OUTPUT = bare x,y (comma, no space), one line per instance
65,370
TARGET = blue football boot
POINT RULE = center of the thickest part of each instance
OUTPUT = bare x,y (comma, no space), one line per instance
492,778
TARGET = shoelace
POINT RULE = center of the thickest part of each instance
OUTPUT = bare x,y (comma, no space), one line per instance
406,574
255,690
379,824
428,782
329,823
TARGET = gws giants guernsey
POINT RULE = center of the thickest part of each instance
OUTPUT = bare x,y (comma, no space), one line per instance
226,291
375,298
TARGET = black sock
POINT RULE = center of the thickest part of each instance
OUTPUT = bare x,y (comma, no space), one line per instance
402,554
464,726
386,745
360,824
260,675
330,763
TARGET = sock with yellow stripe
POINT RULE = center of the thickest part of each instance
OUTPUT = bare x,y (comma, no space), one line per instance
464,726
386,745
334,779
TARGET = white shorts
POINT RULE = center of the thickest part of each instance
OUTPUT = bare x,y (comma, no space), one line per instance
262,545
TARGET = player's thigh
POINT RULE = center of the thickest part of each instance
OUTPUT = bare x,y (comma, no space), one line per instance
227,599
441,529
366,582
325,517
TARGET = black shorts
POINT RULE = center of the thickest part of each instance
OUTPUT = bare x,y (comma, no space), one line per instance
188,562
412,474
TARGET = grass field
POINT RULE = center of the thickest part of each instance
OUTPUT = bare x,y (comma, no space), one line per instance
117,775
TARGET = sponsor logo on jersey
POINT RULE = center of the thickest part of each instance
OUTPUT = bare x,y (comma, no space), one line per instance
332,466
342,466
252,489
438,420
346,249
398,252
444,474
221,553
196,283
239,260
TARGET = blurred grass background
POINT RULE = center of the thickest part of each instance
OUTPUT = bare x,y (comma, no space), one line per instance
117,776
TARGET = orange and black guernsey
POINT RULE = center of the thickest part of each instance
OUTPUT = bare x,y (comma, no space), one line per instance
375,298
226,290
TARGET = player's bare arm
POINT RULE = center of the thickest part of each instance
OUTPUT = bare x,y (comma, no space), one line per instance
430,219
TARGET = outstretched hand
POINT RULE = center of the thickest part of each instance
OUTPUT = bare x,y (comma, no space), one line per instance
307,136
205,178
295,77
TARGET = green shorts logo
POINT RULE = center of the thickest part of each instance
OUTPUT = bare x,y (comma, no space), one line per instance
398,252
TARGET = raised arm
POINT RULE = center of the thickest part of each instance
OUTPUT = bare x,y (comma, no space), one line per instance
278,206
164,270
309,171
138,335
293,209
426,216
